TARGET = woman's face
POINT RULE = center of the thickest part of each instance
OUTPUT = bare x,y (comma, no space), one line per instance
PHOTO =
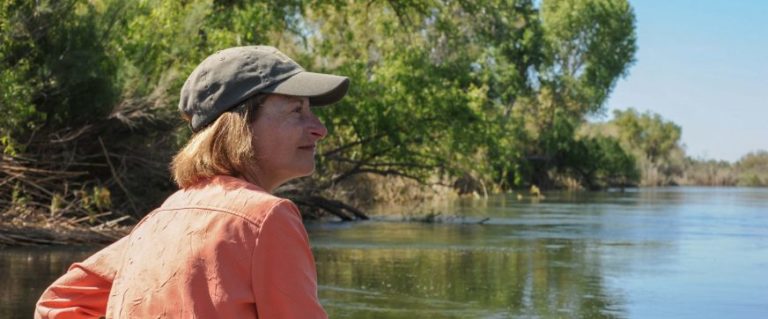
285,134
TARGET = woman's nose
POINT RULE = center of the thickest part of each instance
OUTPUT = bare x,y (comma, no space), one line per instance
316,128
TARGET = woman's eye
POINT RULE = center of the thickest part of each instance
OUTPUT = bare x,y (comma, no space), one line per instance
297,109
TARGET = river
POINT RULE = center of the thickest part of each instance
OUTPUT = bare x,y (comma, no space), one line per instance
648,253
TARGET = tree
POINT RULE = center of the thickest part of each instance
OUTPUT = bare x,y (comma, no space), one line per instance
648,133
491,89
753,169
594,161
587,46
90,88
418,105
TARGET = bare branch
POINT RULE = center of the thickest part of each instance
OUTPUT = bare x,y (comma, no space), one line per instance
353,144
117,178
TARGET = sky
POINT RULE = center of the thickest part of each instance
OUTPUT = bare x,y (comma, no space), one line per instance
703,65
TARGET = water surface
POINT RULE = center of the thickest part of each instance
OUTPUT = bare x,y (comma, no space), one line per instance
650,253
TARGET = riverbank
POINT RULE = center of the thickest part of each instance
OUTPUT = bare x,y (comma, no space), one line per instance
28,228
41,236
423,204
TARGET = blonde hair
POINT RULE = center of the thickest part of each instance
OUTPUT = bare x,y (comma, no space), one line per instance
224,147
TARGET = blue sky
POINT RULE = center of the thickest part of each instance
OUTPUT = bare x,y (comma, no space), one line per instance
703,65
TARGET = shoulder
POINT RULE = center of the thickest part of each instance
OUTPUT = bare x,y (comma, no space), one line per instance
231,195
284,210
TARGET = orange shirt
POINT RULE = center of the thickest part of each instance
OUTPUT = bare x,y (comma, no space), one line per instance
222,249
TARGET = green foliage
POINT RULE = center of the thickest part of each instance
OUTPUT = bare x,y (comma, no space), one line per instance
586,45
615,166
17,196
653,141
589,45
654,137
16,98
593,161
753,169
55,64
423,103
492,89
96,201
708,172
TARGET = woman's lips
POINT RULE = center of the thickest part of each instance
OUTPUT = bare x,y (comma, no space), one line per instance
307,148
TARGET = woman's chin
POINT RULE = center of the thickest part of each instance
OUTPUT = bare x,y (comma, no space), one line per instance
309,172
306,171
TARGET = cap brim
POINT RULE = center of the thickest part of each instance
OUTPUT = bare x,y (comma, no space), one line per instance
321,89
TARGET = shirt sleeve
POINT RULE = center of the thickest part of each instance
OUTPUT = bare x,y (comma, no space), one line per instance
284,278
83,291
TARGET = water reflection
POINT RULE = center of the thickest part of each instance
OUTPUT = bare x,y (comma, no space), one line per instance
653,253
541,278
25,272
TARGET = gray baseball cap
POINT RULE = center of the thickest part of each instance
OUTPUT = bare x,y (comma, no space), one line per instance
229,77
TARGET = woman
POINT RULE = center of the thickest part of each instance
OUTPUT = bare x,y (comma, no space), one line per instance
222,246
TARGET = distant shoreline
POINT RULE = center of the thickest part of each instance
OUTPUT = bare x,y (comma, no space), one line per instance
58,234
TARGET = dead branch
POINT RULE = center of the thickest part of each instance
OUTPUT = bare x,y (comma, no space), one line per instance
117,178
337,208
